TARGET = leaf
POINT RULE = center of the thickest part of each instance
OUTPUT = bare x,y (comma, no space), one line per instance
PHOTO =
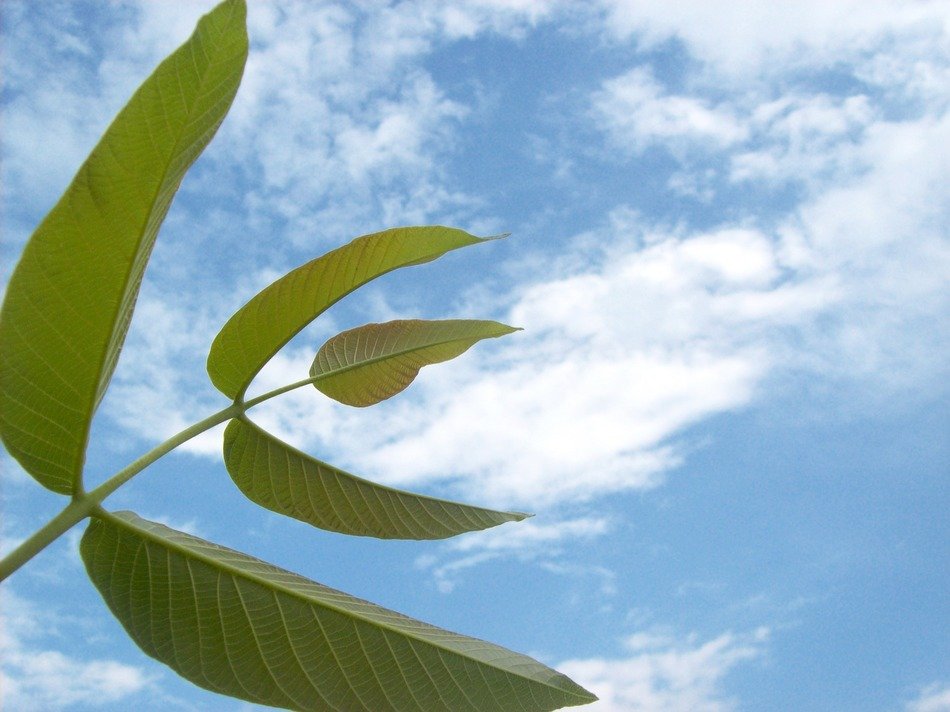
237,625
270,319
70,299
368,364
287,481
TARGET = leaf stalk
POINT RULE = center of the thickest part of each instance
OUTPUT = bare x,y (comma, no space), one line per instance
83,504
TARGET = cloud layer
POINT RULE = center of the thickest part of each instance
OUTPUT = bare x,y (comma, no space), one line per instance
662,674
35,676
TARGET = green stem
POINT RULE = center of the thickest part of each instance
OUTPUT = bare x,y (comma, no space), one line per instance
127,473
84,503
75,511
284,389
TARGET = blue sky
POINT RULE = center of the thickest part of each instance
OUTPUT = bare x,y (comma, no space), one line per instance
728,408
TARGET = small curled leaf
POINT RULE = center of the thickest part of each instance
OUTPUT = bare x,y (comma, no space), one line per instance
368,364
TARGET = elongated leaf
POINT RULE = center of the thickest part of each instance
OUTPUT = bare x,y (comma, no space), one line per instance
371,363
69,301
239,626
270,319
285,480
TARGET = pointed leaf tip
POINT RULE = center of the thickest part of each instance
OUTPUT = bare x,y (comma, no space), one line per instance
279,477
239,626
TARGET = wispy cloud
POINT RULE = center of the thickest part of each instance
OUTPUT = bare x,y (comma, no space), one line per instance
618,358
636,113
526,541
660,673
741,40
933,698
36,676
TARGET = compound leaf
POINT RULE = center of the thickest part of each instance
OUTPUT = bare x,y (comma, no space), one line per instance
270,319
239,626
285,480
368,364
70,298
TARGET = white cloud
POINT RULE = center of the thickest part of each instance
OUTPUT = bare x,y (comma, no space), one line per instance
933,698
528,540
636,113
335,115
748,37
663,674
617,359
807,139
161,386
35,677
356,127
397,137
529,535
45,52
755,94
882,234
867,234
414,24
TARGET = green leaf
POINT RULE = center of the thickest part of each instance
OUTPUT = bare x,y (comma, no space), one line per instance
285,480
70,299
239,626
270,319
368,364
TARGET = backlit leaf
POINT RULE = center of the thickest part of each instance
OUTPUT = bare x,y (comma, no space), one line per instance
285,480
371,363
236,625
270,319
70,298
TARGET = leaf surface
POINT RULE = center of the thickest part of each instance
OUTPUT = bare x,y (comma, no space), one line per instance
239,626
285,480
70,298
270,319
368,364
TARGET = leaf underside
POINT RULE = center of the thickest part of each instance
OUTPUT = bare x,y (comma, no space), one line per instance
274,475
270,319
236,625
368,364
70,298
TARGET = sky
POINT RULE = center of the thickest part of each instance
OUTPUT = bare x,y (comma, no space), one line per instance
728,408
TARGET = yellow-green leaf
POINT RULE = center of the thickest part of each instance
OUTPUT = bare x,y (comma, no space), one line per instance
70,298
371,363
270,319
285,480
239,626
